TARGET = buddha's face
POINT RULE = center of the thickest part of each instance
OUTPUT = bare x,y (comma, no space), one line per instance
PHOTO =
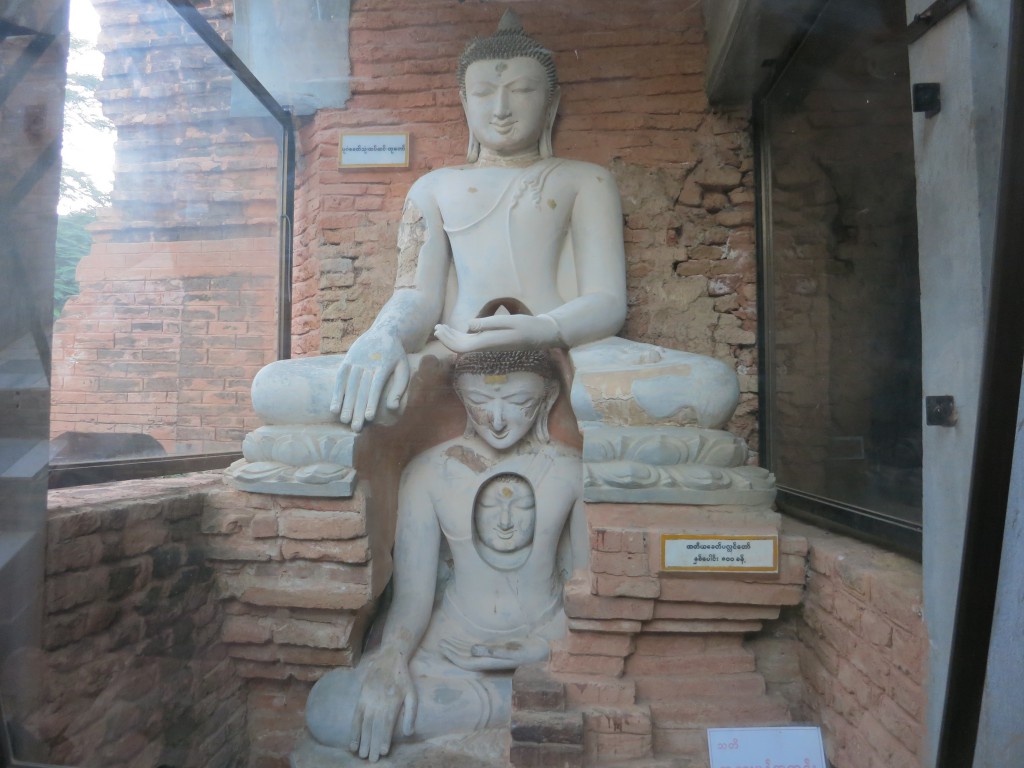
506,103
505,514
501,408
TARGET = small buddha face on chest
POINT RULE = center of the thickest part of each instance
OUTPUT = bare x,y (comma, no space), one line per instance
506,104
505,514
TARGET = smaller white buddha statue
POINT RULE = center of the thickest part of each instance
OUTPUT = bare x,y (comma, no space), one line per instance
505,501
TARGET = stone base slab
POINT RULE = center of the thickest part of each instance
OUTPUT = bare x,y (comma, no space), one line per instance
296,460
278,478
671,465
484,749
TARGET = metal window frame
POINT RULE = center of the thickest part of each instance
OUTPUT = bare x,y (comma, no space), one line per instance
90,472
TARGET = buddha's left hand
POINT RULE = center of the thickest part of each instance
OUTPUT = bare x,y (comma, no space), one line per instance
496,656
501,332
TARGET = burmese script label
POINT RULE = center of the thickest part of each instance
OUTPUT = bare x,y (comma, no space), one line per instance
783,747
751,554
373,150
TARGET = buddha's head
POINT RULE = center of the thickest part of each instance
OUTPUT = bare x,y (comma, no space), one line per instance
509,90
506,394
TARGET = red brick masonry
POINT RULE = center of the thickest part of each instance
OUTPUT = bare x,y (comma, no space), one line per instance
185,623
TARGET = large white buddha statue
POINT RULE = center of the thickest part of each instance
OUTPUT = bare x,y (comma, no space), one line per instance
516,249
514,226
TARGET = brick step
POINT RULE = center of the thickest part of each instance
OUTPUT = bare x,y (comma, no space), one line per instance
671,687
667,761
689,744
586,690
632,718
536,689
719,661
564,727
581,604
719,711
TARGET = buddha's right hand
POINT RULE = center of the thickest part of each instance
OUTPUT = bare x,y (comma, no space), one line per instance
387,691
377,358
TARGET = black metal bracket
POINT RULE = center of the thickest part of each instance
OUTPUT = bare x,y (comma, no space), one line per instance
929,17
940,411
927,98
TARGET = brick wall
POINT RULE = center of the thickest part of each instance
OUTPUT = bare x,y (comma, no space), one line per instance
131,671
653,658
853,656
632,100
298,584
185,623
165,339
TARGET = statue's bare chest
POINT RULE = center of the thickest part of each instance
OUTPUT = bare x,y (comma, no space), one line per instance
488,201
552,478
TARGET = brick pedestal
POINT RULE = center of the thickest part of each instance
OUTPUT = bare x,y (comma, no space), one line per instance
654,658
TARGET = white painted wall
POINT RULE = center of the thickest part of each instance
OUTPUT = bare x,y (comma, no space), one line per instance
956,154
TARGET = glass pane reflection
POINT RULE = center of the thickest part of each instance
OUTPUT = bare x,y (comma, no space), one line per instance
176,298
843,296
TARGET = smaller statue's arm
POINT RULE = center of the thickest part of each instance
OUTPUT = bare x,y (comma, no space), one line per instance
416,552
388,690
600,309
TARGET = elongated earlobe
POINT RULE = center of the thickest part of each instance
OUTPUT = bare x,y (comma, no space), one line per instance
473,150
546,146
540,425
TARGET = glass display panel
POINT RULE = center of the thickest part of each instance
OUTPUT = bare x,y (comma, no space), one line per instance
842,294
167,281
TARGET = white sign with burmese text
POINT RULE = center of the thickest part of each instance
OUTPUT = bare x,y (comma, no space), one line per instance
373,150
748,554
784,747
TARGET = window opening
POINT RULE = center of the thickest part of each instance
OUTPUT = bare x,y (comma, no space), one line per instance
185,291
840,296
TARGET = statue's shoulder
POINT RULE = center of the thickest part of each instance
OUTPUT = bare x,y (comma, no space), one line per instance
584,178
560,452
584,171
432,179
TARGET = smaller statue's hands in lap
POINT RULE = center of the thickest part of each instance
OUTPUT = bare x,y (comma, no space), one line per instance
501,332
376,359
387,691
481,657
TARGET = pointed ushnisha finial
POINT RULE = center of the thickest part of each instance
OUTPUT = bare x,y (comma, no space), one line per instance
510,22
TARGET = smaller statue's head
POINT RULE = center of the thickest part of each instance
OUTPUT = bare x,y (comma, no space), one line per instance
506,394
509,90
